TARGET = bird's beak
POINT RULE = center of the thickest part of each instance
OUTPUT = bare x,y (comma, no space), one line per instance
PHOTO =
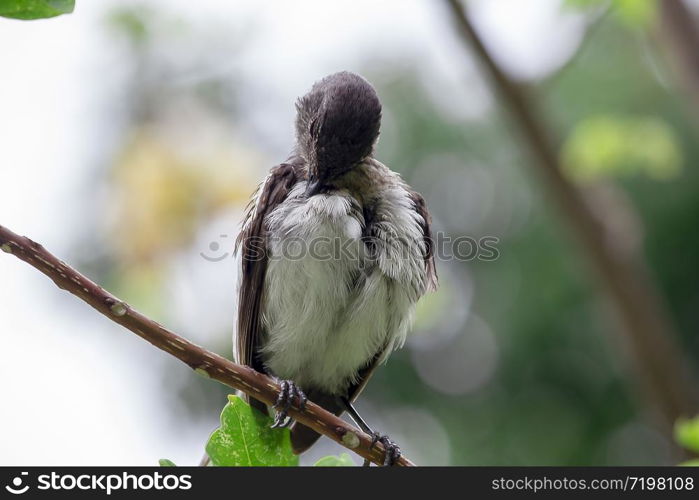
312,188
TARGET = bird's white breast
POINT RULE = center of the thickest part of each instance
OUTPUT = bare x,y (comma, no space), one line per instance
329,308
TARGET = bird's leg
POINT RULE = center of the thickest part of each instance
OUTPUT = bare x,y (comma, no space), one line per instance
392,450
288,392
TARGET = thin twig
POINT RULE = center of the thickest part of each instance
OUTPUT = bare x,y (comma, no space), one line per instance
204,362
661,367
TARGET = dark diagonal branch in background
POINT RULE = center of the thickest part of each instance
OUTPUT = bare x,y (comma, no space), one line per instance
662,369
679,34
204,362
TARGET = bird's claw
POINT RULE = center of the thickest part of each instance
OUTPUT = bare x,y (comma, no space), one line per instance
288,392
392,450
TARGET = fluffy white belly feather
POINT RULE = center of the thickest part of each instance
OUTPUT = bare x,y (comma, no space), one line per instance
326,314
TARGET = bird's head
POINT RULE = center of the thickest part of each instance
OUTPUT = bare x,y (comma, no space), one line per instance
337,125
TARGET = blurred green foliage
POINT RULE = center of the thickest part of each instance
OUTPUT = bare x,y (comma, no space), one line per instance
606,146
687,433
35,9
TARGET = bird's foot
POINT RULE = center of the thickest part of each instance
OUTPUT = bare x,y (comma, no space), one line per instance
392,450
288,392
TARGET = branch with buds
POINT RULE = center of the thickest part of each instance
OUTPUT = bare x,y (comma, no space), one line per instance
202,361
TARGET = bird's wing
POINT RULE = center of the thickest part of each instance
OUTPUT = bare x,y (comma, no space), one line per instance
252,245
430,269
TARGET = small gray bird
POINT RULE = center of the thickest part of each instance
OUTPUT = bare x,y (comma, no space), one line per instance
335,252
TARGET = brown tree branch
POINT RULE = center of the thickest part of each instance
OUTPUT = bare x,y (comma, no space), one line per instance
679,33
660,365
204,362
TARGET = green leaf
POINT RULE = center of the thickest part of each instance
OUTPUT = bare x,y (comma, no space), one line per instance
246,439
613,145
35,9
343,460
164,462
687,434
691,463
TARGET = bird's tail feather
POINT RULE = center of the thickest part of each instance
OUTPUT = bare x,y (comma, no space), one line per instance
303,437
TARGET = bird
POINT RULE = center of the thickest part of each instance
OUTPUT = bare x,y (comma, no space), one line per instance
335,250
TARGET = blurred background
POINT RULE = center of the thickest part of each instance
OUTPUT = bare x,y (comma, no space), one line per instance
133,134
